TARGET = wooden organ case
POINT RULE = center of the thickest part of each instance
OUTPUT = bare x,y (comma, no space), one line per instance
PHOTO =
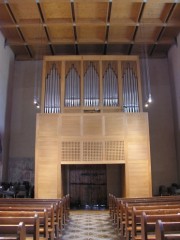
91,113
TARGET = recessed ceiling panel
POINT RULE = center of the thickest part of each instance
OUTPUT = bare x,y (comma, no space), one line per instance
64,49
103,26
117,49
91,49
147,34
120,34
12,36
57,11
91,11
4,15
61,34
25,11
34,34
91,34
125,11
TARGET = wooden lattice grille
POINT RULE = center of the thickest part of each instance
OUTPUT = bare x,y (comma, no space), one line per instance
70,151
92,151
114,151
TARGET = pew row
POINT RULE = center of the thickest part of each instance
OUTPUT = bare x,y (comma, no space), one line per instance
167,230
122,210
13,232
57,211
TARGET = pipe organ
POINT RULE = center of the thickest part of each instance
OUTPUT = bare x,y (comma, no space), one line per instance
91,113
91,83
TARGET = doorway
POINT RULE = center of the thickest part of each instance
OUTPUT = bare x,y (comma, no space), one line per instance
88,186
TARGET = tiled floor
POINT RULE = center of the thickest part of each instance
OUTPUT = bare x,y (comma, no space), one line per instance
89,225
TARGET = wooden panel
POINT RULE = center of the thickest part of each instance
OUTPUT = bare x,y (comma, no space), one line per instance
47,125
138,167
92,125
71,126
47,150
25,13
97,138
96,11
114,126
47,181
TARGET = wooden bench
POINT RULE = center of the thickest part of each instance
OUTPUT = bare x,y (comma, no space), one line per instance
43,219
123,209
32,226
167,230
148,223
52,230
136,218
13,232
61,207
126,224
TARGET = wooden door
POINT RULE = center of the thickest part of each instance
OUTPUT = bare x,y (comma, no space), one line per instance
88,186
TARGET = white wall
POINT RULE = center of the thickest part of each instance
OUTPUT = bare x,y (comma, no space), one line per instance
6,70
174,64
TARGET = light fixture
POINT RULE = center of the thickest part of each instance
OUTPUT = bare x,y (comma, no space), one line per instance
150,99
146,105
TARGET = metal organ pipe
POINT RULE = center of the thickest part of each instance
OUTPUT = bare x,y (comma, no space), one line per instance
91,86
110,87
52,93
72,85
130,90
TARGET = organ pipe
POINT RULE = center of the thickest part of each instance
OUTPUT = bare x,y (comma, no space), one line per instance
52,91
72,88
130,90
110,87
91,86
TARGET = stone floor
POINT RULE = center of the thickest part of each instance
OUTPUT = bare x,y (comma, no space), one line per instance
89,225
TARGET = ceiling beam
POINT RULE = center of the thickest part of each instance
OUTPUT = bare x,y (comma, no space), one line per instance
18,28
45,27
74,27
107,27
163,28
137,26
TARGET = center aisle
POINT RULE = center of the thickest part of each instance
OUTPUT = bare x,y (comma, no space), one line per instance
89,225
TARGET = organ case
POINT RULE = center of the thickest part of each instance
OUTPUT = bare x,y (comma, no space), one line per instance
91,113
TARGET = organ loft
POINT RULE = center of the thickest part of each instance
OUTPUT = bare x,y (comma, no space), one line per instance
92,136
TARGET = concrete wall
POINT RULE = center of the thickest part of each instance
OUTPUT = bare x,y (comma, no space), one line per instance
163,151
174,66
22,143
6,70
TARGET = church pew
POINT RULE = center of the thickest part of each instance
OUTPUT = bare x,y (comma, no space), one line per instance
13,232
62,206
117,205
167,230
43,218
136,218
148,224
126,223
32,226
123,215
52,230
